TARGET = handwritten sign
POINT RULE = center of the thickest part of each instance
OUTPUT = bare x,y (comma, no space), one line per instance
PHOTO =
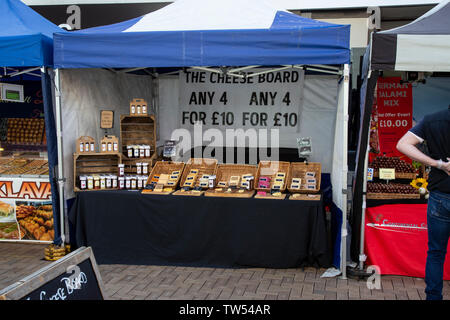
106,119
73,277
387,174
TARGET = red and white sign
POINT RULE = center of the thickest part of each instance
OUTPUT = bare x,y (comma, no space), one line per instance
396,240
26,211
18,188
395,108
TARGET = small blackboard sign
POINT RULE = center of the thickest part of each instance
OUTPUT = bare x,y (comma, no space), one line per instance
73,277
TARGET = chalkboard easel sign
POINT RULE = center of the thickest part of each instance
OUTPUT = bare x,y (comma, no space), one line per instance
73,277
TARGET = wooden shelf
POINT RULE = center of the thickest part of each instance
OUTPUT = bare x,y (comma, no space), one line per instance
138,130
94,163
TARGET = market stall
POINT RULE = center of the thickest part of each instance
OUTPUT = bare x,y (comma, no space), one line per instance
398,62
190,62
29,198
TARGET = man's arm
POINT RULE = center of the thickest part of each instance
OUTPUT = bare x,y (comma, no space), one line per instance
407,146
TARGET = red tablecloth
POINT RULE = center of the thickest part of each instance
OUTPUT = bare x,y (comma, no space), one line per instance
396,240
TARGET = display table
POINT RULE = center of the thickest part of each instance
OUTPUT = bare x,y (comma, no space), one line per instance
396,239
126,227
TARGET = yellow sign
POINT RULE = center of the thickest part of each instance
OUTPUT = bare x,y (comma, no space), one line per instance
387,174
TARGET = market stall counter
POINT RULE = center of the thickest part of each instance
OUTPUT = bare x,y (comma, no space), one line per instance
127,227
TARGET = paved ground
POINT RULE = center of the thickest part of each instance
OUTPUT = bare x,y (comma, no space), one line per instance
164,282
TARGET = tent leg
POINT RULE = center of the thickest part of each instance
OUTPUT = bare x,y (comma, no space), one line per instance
60,154
362,256
346,89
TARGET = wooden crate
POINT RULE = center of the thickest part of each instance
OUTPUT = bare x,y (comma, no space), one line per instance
204,166
137,130
140,107
270,169
165,167
389,196
89,164
84,140
109,142
398,175
224,172
298,170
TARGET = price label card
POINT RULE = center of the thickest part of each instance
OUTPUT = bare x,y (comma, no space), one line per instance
106,119
387,174
369,174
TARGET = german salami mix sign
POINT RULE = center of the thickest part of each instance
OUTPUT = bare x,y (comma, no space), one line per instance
26,211
263,101
394,106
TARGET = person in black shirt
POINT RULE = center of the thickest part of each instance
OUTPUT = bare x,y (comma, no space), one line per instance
434,130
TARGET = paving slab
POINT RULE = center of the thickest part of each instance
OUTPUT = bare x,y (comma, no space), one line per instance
147,282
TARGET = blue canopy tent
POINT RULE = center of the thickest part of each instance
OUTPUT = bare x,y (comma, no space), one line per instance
216,36
26,47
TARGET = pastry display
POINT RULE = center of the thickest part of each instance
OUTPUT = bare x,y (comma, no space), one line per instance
10,231
36,220
24,166
25,131
6,209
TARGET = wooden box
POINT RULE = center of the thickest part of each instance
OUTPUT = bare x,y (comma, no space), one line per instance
398,175
270,169
225,172
138,107
85,141
165,167
204,166
298,170
109,144
137,131
96,163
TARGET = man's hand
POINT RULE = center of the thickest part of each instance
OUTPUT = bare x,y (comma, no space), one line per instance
446,166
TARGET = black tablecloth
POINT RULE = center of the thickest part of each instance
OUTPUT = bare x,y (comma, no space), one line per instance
126,227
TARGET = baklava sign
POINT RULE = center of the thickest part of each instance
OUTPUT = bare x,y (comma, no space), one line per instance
26,211
17,188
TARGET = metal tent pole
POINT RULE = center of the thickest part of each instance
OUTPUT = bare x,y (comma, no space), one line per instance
362,256
60,154
346,88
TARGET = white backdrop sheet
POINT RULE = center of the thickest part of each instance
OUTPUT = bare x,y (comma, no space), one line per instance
317,120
